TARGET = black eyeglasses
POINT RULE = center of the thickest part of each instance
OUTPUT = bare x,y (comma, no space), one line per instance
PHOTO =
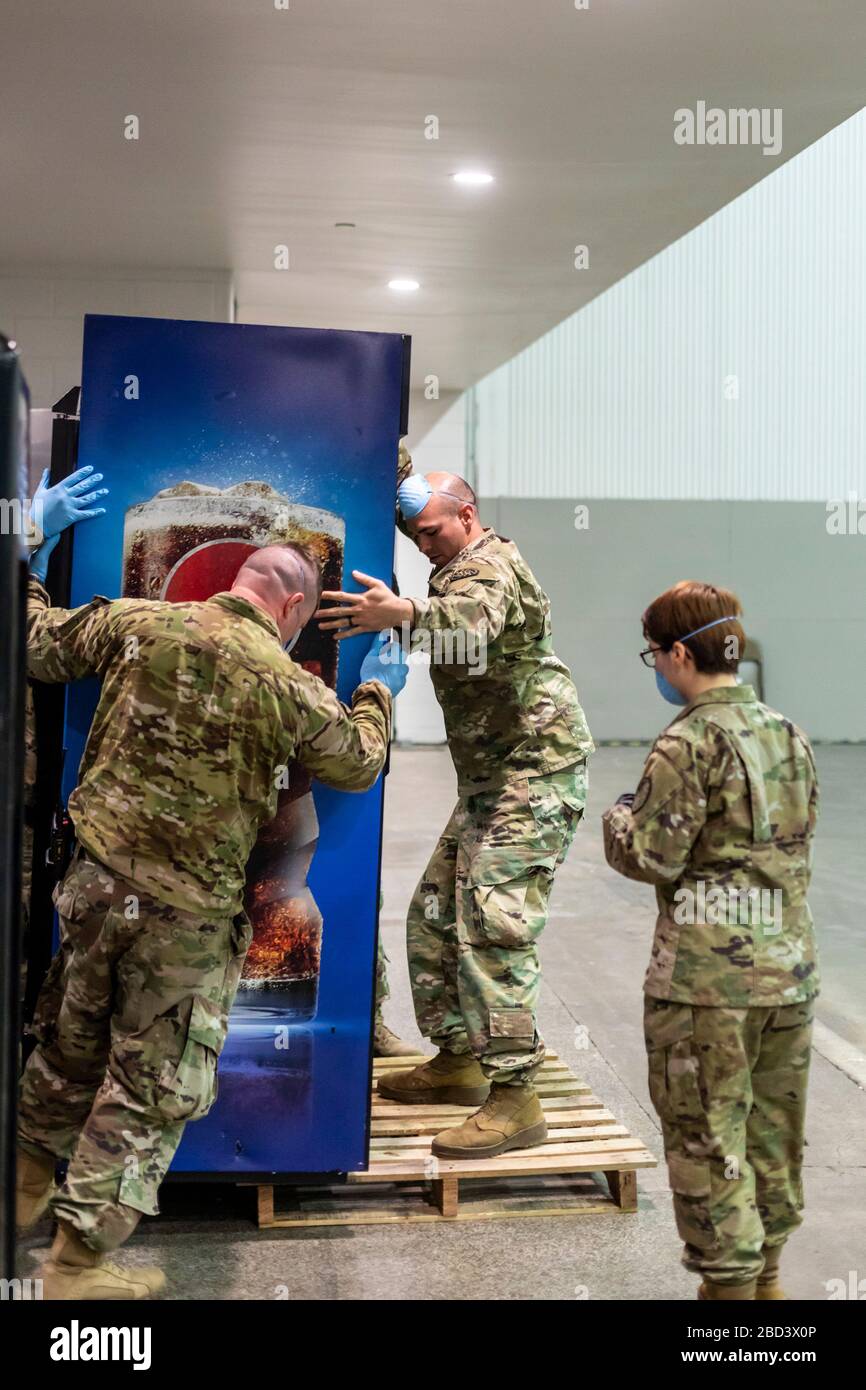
649,654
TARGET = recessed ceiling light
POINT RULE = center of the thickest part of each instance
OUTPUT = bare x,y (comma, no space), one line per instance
404,286
474,178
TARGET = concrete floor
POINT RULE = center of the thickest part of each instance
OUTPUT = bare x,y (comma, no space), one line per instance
594,954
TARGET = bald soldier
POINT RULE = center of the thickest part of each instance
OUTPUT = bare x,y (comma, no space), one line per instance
519,742
201,708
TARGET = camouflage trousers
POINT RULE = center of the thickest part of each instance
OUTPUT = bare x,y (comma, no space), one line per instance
729,1086
130,1023
476,917
383,989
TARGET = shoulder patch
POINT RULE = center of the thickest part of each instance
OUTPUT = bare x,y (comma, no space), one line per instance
468,572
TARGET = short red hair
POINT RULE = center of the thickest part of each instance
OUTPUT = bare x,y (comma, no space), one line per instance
689,605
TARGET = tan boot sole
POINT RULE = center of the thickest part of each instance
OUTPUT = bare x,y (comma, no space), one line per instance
437,1095
75,1286
523,1139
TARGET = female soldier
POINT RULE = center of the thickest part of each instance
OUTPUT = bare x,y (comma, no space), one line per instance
722,823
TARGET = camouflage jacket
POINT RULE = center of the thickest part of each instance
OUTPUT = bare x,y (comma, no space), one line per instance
199,715
722,823
510,706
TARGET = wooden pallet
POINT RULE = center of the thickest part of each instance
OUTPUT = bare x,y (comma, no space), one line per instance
551,1179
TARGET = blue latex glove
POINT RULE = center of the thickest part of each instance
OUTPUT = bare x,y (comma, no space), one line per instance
386,662
413,495
39,559
55,508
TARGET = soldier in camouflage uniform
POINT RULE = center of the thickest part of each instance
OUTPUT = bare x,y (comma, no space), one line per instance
519,742
72,500
30,769
722,824
385,1042
201,709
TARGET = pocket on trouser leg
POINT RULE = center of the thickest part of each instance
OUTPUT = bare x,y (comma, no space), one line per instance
511,1030
557,803
673,1067
505,905
691,1186
189,1090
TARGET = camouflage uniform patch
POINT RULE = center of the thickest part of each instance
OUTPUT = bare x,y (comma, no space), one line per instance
478,913
729,1086
200,709
520,717
728,800
383,989
519,742
30,769
129,1025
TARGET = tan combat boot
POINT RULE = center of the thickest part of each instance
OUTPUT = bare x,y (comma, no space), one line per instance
445,1080
73,1271
34,1187
715,1293
511,1118
387,1044
768,1280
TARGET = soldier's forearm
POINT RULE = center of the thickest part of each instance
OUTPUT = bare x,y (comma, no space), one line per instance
467,613
633,856
63,644
351,757
43,659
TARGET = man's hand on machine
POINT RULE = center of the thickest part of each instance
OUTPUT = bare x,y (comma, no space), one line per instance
372,611
386,662
69,501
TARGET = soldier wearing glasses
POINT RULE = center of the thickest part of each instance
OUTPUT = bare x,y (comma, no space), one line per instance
722,824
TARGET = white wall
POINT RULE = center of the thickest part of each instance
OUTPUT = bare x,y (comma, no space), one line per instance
419,718
801,589
730,366
43,311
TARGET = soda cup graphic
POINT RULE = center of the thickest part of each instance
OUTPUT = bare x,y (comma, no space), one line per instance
184,545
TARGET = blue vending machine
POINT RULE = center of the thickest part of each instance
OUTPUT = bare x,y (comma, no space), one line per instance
215,439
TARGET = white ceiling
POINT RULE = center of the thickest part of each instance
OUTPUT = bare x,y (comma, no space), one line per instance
262,126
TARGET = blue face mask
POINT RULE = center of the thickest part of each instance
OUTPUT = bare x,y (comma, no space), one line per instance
669,692
292,642
666,690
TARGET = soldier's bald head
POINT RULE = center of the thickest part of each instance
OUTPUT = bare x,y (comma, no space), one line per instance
453,491
449,522
276,572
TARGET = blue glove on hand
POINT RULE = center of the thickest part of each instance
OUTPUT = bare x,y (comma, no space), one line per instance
386,662
413,495
39,559
55,508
